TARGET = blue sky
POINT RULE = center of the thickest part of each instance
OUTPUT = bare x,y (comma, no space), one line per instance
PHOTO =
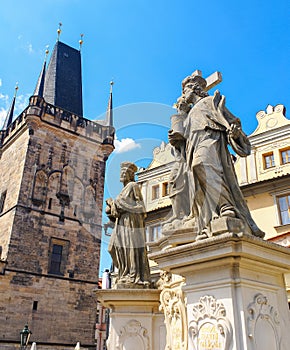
148,47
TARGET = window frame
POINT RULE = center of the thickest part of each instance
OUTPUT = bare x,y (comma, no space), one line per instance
278,197
165,189
2,200
281,151
272,160
64,256
155,192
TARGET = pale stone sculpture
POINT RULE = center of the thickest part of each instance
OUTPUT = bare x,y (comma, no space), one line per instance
127,244
207,130
178,190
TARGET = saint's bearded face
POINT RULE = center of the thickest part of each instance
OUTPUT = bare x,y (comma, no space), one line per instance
188,92
125,176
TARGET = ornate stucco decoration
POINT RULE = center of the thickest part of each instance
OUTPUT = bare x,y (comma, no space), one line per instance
174,307
209,327
263,323
133,336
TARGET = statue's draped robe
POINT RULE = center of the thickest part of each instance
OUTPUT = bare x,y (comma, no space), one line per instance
127,244
214,188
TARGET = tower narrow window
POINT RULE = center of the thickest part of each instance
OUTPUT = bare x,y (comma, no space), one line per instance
55,261
2,201
49,203
34,306
58,256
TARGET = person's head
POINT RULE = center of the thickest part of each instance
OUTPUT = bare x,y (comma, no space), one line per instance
182,105
193,87
128,171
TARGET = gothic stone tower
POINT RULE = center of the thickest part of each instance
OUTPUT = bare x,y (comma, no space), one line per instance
52,165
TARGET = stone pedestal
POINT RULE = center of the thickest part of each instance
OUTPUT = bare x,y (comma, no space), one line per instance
135,320
235,292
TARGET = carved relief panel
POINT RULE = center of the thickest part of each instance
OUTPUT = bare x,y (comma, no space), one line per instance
174,307
263,324
209,327
133,337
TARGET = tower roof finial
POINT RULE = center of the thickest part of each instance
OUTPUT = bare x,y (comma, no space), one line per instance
59,30
81,41
16,89
46,52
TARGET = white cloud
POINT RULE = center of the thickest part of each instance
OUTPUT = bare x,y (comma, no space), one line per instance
0,82
29,47
125,145
5,98
22,102
3,113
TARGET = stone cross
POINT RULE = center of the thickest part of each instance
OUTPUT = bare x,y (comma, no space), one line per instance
212,80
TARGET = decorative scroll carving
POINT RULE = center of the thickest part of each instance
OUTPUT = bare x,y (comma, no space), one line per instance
133,336
263,323
174,307
210,328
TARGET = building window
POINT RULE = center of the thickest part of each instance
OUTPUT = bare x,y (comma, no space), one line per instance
55,260
284,209
103,315
58,256
285,156
2,201
34,306
269,161
153,233
155,192
98,316
165,189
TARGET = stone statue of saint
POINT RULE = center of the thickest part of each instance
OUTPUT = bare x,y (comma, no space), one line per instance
127,245
178,184
207,131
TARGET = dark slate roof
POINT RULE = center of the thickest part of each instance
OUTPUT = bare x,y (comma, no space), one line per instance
63,80
40,83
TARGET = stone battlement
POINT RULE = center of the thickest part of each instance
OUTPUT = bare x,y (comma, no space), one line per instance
60,118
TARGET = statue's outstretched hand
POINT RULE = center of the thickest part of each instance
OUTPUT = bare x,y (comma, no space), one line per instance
235,131
175,138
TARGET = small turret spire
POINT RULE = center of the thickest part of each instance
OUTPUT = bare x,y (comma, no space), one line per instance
40,83
109,116
9,117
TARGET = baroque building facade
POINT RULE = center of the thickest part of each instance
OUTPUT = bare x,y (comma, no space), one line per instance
52,169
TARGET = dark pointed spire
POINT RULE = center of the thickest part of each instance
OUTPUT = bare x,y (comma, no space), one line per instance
109,115
39,89
63,79
9,117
